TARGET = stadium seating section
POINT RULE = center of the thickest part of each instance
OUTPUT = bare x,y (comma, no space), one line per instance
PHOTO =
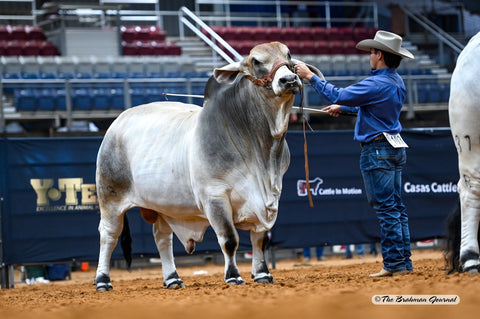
20,40
27,54
300,40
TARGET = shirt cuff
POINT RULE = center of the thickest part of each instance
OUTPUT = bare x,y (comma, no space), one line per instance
348,109
316,80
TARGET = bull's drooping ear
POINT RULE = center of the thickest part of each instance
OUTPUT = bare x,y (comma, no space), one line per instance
312,68
228,73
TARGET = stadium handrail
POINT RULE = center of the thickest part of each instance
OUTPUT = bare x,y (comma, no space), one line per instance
443,37
183,20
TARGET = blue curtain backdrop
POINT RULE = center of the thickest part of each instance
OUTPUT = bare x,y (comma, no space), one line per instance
49,211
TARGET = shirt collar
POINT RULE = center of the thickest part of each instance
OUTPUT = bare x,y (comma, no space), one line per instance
383,71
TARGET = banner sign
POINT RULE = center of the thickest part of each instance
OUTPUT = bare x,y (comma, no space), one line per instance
341,213
49,209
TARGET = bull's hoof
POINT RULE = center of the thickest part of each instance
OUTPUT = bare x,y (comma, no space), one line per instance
173,281
176,283
473,270
103,283
235,281
264,279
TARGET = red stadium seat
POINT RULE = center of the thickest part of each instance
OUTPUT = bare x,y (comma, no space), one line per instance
15,47
128,33
4,33
274,34
241,33
129,48
346,34
35,33
318,33
336,47
230,33
303,34
258,34
309,47
159,48
18,32
142,33
144,47
157,34
173,49
3,47
361,33
243,47
288,34
322,47
349,47
32,48
48,48
333,34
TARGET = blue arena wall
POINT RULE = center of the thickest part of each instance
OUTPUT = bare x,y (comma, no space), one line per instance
49,211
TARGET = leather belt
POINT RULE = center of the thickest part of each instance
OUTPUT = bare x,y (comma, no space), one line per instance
380,137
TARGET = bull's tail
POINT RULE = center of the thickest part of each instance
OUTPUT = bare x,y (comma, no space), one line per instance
453,238
126,242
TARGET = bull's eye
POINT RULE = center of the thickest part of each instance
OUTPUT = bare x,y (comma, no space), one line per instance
289,57
256,62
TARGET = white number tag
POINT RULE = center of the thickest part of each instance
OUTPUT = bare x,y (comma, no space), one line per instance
395,140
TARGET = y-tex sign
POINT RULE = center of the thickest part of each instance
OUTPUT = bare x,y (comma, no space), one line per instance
71,187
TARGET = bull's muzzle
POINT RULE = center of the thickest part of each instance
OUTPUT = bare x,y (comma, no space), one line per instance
290,83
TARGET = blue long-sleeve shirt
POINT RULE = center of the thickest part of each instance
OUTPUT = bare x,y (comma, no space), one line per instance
377,99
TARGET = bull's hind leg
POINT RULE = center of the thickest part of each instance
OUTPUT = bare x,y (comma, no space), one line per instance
163,238
260,271
219,214
469,247
109,229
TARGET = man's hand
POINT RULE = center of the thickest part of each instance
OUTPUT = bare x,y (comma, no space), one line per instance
332,110
303,71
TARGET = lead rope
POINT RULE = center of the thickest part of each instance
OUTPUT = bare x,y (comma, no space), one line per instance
305,152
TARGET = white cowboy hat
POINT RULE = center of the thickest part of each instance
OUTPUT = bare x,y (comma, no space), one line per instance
385,41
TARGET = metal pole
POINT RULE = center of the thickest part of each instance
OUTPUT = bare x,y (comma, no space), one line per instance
411,110
2,114
4,273
126,94
327,14
68,102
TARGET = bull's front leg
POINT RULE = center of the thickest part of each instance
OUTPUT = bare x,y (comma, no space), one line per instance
163,239
219,213
260,271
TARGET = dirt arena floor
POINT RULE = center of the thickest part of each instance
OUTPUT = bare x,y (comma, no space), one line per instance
334,288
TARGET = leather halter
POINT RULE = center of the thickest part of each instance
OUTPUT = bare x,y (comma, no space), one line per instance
266,80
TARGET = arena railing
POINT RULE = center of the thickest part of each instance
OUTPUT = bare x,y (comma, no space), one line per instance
226,15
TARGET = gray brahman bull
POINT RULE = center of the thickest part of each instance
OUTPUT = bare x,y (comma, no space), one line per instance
464,113
189,167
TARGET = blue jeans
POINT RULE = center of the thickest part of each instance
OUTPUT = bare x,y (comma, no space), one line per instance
360,250
318,251
381,167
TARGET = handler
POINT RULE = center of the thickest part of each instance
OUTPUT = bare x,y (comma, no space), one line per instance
378,100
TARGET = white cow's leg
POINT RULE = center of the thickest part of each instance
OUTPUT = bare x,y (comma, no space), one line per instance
163,238
219,214
469,247
109,229
260,271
